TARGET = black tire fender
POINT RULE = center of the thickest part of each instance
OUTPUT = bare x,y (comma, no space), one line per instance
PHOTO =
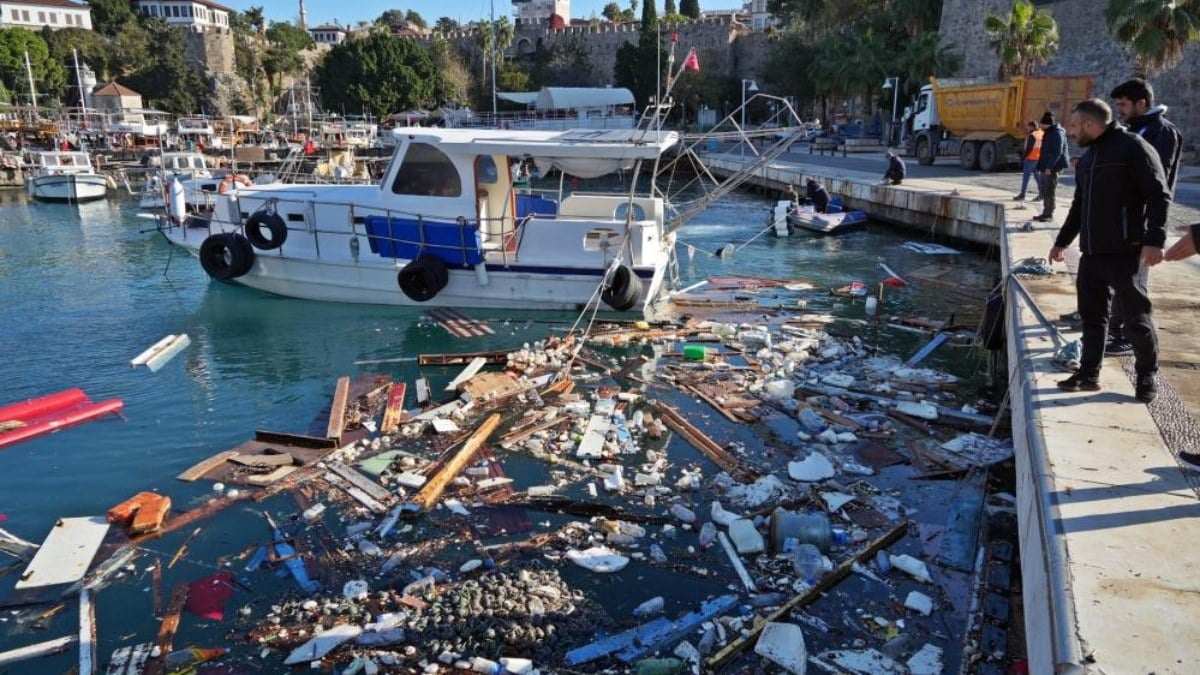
624,289
423,278
266,230
226,255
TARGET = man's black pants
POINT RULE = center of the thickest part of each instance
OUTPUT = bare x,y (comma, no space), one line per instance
1049,187
1100,278
1115,331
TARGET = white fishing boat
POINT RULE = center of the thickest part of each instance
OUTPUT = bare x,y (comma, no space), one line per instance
444,227
66,176
191,168
199,130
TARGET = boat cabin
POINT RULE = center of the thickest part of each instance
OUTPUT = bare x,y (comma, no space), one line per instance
63,162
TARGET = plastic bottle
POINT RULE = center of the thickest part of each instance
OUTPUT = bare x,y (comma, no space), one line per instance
808,563
652,606
803,528
708,534
695,352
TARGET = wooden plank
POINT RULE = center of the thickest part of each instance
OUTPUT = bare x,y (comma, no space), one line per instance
393,412
375,490
716,661
432,491
467,373
87,633
277,459
167,629
522,434
197,470
703,443
295,440
422,391
35,650
66,554
156,587
337,411
493,357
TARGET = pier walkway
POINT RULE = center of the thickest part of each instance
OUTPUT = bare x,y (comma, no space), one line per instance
1110,521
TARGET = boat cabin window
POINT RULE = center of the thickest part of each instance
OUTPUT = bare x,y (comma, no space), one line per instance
623,210
426,171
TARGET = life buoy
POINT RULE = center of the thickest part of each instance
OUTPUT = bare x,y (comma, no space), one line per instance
266,230
624,290
423,278
228,181
226,255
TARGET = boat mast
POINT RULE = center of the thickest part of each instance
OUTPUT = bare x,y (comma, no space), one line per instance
32,89
493,29
79,81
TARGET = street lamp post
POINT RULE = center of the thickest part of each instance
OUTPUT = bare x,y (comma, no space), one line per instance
753,87
893,83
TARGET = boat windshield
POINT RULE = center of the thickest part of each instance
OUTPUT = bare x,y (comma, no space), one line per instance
426,171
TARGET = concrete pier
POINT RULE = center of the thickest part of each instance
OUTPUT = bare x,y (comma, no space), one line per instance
1109,520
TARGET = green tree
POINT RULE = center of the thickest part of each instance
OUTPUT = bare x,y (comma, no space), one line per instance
445,25
130,48
108,16
92,47
289,36
637,64
612,12
454,85
690,8
567,63
926,57
670,8
385,73
1024,40
1157,31
391,18
167,80
49,76
412,17
254,20
788,66
916,16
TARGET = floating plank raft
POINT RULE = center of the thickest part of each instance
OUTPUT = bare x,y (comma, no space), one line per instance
458,325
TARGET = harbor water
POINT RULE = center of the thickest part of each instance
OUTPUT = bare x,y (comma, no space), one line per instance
85,288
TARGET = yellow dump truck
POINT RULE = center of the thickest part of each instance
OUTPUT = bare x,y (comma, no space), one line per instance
983,122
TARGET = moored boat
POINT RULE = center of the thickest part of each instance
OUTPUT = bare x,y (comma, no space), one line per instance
445,227
66,176
788,217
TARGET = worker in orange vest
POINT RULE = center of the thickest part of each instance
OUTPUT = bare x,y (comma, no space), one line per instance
1033,152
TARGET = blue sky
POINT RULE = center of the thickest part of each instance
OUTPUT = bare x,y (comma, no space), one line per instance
323,11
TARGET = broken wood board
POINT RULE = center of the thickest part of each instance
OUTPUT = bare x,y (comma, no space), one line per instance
488,387
268,459
393,412
375,490
242,464
703,443
432,491
496,358
467,373
87,633
278,473
129,660
422,391
35,650
66,554
337,411
167,630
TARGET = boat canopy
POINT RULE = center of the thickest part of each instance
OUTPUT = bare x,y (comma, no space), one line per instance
570,98
586,153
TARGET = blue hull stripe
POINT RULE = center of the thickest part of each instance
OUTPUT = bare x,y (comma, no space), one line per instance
571,271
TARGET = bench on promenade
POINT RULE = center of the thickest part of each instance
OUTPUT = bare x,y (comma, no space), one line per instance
832,145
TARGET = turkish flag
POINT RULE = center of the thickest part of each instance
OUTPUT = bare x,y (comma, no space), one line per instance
692,62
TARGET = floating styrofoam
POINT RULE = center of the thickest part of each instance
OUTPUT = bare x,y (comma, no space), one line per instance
864,662
722,517
911,566
927,661
815,467
783,645
919,409
323,643
919,602
746,538
598,559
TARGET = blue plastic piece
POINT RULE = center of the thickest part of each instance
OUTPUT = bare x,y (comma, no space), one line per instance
406,239
535,205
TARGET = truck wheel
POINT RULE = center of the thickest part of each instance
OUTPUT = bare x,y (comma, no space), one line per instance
925,153
989,156
968,155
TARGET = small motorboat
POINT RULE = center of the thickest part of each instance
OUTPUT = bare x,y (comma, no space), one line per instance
835,220
66,176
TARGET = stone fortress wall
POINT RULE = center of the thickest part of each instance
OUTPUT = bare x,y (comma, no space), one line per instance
1086,47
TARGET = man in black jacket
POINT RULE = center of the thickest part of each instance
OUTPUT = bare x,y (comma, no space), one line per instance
1053,161
1119,213
817,194
1134,103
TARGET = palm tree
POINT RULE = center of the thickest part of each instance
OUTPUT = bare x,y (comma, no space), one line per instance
1023,40
1156,30
925,56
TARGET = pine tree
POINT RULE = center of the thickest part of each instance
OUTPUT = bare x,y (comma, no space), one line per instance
690,8
670,8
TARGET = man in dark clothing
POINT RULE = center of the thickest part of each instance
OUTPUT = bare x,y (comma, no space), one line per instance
895,171
1052,162
817,194
1134,103
1119,213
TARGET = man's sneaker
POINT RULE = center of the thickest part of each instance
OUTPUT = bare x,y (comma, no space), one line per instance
1190,459
1146,390
1019,198
1080,382
1043,218
1118,347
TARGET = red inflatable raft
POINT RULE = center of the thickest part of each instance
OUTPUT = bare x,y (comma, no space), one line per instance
47,414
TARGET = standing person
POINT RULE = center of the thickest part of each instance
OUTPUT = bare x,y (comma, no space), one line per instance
1119,213
895,171
1052,162
817,194
1134,103
1030,157
789,195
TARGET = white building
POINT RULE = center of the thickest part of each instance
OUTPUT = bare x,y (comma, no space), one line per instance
195,15
760,17
328,34
539,11
53,13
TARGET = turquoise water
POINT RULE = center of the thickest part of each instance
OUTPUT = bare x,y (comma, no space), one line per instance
83,291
